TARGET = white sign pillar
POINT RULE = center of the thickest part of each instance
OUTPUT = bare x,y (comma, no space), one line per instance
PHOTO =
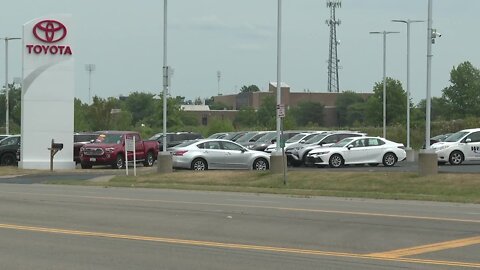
47,92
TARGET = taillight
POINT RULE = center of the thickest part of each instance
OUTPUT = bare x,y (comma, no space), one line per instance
180,152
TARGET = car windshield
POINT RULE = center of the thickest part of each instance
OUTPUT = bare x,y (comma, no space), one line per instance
109,138
296,138
267,137
186,143
246,137
315,139
342,143
156,137
456,136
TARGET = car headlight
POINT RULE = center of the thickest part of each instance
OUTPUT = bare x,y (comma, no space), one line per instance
443,147
322,153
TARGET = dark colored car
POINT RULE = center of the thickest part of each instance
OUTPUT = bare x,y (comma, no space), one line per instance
79,140
8,150
175,138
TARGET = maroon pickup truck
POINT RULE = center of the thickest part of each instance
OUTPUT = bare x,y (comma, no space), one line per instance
109,149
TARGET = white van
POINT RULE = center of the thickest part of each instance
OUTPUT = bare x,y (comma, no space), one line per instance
458,147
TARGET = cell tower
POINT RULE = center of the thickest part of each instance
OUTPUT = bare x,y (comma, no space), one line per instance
333,60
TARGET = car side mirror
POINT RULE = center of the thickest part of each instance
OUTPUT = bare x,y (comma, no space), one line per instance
468,140
349,146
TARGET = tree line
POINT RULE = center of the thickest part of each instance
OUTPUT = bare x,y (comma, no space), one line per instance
144,111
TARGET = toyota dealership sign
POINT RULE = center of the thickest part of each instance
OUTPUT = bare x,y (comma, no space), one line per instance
47,92
49,32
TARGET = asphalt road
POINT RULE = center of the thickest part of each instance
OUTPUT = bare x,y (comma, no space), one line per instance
68,227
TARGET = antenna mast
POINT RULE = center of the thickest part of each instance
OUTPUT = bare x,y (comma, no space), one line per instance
333,60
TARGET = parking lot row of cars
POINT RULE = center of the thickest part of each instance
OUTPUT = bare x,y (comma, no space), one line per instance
339,148
252,149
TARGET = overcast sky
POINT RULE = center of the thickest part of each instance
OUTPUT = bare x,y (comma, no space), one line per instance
124,39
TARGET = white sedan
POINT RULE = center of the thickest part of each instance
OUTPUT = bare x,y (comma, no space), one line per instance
359,150
207,154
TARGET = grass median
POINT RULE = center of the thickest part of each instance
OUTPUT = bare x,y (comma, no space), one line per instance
463,188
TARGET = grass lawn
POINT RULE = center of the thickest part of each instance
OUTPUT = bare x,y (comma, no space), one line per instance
395,185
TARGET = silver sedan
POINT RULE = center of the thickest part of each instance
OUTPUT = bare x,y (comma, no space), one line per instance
218,154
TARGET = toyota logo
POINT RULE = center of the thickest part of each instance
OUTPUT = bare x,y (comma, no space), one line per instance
49,31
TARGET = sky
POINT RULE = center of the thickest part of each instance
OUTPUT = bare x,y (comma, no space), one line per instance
124,40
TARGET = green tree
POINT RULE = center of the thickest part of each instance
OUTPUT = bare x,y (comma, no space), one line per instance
246,117
464,93
266,114
249,89
81,121
308,112
441,109
350,108
396,107
140,105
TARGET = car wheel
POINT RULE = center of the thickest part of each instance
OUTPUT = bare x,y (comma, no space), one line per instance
149,160
8,159
199,164
336,161
260,164
456,158
119,163
389,159
86,166
373,164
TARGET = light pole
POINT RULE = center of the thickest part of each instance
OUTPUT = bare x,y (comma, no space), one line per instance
384,33
219,74
279,64
90,68
164,158
408,22
7,105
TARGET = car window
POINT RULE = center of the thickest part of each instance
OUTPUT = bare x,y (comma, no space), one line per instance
358,143
330,139
373,142
455,136
10,141
231,146
475,137
212,145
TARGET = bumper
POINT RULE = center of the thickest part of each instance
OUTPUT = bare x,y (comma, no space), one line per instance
313,160
179,162
98,160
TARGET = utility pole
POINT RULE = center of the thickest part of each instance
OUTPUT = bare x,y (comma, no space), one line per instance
7,105
90,68
333,82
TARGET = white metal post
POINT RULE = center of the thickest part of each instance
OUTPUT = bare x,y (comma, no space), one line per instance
384,33
165,76
408,22
384,84
279,64
429,76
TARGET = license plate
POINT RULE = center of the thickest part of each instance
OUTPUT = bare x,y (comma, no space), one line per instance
93,159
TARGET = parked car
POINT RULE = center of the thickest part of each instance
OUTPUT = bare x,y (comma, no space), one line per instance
359,150
175,138
294,139
297,153
249,137
109,149
219,135
263,142
79,140
218,154
233,136
9,147
459,147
